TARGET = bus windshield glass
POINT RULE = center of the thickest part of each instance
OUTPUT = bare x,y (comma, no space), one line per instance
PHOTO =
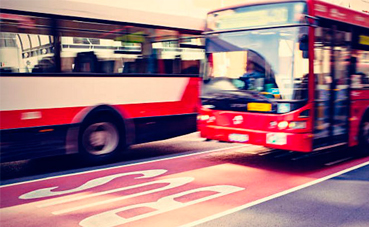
272,63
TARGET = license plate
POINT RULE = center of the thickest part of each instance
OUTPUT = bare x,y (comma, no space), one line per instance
263,107
234,137
276,138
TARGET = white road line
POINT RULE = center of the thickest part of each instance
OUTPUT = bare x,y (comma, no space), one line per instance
173,183
279,194
338,161
133,164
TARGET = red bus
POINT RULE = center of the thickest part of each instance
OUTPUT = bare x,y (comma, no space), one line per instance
93,79
289,75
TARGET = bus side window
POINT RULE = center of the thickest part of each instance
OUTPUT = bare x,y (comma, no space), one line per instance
190,67
362,68
113,48
46,64
26,44
9,53
86,62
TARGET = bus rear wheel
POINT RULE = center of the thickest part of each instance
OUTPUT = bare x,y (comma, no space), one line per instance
100,139
364,136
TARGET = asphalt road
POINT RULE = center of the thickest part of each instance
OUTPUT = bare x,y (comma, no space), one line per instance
24,170
340,201
187,181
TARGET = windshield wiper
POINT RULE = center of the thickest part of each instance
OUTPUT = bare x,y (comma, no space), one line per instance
237,95
256,95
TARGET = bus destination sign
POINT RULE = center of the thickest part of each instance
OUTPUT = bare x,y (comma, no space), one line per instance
255,16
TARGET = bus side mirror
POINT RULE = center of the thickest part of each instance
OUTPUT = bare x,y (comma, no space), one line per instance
304,45
305,54
304,42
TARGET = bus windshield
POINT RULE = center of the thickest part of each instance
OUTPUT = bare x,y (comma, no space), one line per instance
270,62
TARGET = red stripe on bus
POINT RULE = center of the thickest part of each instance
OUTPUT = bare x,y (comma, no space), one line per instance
59,116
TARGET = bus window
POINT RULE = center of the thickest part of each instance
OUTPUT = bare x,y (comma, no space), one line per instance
10,55
26,44
112,48
362,69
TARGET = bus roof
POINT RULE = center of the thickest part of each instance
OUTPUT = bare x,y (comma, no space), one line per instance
83,9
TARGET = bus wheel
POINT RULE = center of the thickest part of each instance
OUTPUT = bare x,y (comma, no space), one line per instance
364,136
99,140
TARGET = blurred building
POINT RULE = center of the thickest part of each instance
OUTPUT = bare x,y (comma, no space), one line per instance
359,5
190,8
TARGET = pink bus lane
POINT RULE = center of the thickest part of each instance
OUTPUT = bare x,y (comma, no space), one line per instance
168,192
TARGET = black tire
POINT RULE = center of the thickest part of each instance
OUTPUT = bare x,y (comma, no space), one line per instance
363,149
100,138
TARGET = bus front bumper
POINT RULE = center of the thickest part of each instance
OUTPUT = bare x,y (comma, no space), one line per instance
301,142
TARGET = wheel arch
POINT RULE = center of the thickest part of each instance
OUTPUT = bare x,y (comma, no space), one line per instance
88,113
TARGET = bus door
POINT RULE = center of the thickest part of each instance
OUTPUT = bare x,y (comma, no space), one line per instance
331,65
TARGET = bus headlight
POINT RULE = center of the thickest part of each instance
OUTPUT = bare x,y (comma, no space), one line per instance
209,106
283,125
206,118
297,125
203,117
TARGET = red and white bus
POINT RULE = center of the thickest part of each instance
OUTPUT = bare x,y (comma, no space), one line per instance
290,75
79,77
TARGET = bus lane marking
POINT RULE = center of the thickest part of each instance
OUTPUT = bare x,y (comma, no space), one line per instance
13,191
172,183
47,192
165,204
226,182
111,218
